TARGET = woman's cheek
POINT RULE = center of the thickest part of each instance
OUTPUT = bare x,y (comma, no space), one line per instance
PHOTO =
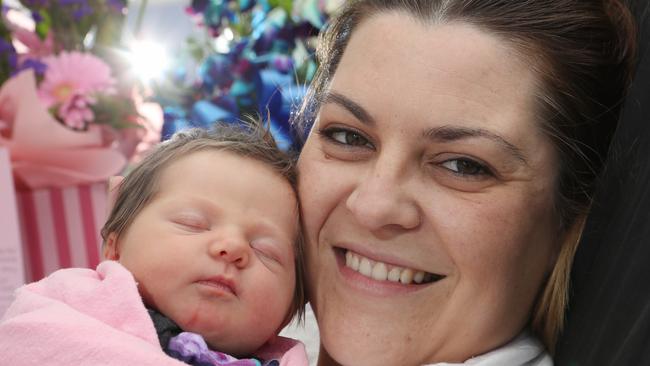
316,186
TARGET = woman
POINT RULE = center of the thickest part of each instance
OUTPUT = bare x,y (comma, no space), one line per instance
448,170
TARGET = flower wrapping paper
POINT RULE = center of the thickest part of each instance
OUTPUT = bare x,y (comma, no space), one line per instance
11,259
60,227
43,152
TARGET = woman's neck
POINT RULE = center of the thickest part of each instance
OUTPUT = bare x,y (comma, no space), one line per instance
324,358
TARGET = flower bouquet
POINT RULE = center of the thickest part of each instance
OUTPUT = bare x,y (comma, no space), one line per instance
69,120
67,112
254,60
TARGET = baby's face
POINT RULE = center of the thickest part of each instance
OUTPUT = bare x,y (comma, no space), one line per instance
213,250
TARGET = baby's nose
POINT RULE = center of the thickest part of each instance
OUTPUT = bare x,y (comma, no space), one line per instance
233,249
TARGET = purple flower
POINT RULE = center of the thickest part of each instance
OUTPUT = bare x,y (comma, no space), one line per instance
283,63
216,72
80,8
37,16
117,6
6,46
34,3
72,2
36,65
244,68
199,6
8,57
82,12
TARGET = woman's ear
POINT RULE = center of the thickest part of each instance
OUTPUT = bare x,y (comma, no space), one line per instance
110,250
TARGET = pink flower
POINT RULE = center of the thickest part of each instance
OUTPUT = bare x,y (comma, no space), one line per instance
33,46
76,112
71,81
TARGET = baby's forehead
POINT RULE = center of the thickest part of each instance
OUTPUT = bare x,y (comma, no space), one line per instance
222,177
217,153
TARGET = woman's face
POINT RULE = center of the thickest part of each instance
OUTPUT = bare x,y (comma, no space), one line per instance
427,193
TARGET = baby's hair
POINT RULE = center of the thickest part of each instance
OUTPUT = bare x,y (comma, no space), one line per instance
249,140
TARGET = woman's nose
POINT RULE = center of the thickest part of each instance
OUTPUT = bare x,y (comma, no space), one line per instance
379,201
233,249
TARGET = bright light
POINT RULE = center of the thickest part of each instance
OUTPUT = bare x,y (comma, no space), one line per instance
228,34
148,59
222,43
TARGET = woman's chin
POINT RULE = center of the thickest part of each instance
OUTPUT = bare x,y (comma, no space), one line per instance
353,333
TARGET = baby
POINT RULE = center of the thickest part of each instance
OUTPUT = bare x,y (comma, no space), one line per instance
208,227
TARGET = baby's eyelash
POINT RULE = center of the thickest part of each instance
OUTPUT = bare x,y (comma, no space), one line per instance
191,222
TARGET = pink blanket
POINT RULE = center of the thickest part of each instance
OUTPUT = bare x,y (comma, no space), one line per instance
85,317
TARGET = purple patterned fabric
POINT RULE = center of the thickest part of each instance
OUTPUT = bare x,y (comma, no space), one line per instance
192,349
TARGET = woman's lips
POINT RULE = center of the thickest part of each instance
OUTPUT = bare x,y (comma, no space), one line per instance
381,271
360,268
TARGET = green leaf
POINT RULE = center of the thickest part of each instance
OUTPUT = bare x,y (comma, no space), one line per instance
43,27
287,5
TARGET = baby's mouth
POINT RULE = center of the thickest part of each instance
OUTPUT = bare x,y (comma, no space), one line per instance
219,283
381,271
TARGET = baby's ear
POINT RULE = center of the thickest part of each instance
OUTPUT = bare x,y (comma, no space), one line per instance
114,183
110,250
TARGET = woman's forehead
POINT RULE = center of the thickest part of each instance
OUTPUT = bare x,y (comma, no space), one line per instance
421,56
423,76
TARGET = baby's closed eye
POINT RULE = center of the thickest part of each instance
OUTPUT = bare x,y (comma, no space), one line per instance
191,221
268,248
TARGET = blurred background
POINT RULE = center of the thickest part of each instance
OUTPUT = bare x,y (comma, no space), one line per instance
89,86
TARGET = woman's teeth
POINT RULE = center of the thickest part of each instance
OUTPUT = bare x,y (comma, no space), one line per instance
383,272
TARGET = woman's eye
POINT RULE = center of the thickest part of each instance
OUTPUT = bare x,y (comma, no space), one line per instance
346,137
466,167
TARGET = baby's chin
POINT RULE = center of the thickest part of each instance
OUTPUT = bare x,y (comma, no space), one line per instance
224,333
240,348
240,343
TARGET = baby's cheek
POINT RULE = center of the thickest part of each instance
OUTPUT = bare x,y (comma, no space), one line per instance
273,302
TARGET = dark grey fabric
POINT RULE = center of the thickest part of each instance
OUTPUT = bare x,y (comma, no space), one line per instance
165,327
609,310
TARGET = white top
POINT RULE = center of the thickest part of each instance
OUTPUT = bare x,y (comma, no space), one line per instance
525,350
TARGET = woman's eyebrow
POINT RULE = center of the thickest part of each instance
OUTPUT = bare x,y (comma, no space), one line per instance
453,133
442,133
357,110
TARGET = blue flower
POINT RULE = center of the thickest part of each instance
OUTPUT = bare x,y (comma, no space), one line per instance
215,72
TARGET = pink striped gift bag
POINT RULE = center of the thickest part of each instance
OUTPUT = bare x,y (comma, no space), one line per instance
11,257
60,227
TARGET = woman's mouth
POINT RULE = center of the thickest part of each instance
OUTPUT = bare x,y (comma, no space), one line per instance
380,271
